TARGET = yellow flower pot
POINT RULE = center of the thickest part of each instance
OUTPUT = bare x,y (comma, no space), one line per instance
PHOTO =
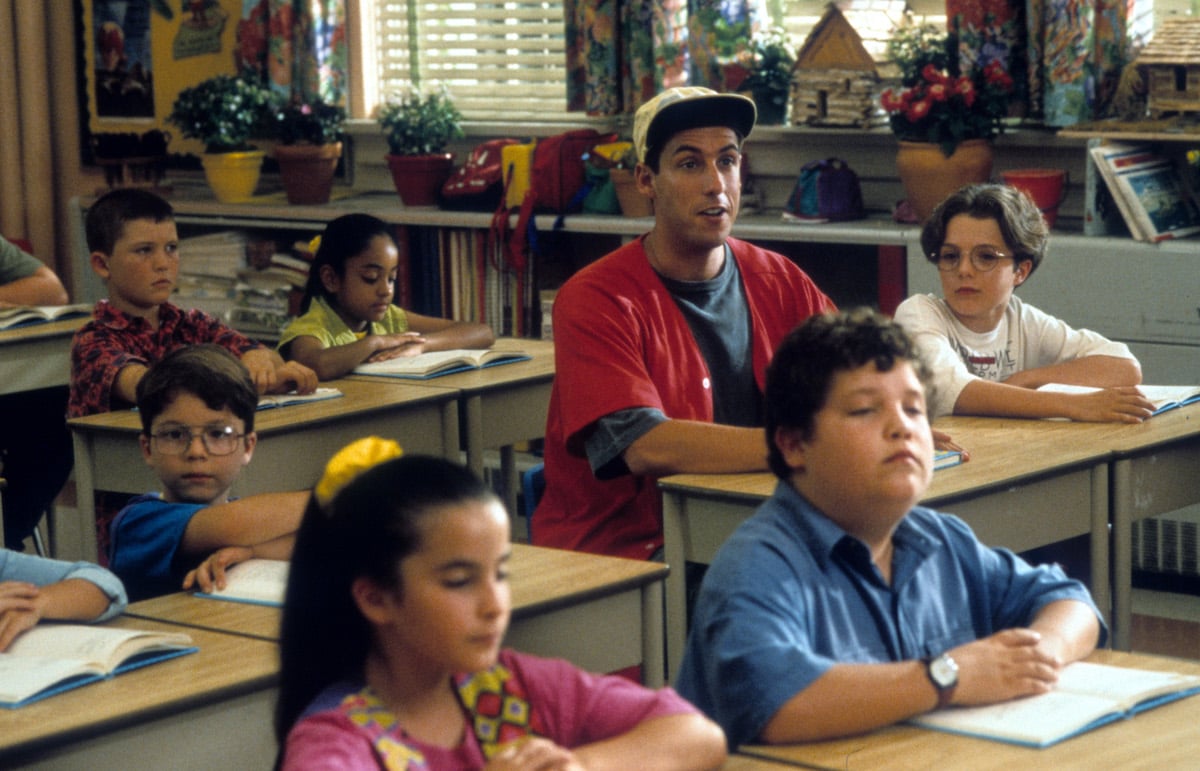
233,176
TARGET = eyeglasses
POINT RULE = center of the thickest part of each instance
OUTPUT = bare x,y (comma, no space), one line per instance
218,440
983,258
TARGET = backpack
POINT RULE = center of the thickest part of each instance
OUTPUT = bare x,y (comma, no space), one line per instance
558,176
478,184
826,191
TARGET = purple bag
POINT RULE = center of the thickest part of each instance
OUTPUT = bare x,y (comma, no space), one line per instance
826,191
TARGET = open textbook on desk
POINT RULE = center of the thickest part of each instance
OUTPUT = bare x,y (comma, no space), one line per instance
24,315
52,658
1164,397
267,401
438,363
1087,696
256,581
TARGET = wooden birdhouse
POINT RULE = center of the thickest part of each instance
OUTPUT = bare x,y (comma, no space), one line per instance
835,82
1171,63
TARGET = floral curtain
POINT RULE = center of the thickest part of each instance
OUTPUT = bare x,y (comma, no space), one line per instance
1071,51
1076,52
298,47
620,53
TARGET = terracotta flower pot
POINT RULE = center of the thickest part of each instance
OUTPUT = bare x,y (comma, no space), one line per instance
419,178
633,202
307,171
233,176
930,177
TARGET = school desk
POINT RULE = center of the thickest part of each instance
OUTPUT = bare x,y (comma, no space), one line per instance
1164,737
1028,484
294,443
1155,469
500,406
207,710
37,356
603,613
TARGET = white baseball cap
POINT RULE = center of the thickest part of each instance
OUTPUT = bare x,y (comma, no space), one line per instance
686,107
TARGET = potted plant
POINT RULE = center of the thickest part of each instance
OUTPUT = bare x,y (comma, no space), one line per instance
944,118
223,112
418,125
310,144
769,82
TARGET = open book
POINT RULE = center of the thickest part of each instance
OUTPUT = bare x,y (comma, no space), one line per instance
52,658
268,401
438,363
24,315
1151,194
1087,696
256,581
1164,397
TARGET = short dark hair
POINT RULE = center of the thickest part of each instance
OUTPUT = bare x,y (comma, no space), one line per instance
208,372
368,527
107,217
804,366
1020,221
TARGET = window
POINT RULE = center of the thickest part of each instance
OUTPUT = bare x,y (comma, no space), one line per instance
503,52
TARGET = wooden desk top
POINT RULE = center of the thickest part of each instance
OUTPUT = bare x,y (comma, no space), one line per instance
1003,451
542,580
161,689
360,395
1164,737
539,368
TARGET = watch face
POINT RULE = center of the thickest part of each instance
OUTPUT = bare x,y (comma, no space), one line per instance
944,671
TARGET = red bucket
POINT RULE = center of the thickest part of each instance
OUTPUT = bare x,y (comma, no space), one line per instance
1046,187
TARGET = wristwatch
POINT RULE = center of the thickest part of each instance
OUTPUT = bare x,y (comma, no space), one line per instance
943,673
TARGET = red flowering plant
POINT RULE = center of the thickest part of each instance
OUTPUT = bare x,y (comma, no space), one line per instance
938,102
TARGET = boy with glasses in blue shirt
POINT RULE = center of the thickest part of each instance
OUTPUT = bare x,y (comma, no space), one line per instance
197,407
989,352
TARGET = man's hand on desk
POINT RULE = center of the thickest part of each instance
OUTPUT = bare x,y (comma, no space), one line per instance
943,442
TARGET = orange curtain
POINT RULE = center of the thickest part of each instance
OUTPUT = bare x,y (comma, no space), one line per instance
27,180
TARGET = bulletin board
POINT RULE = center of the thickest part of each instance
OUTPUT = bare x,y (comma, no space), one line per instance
139,54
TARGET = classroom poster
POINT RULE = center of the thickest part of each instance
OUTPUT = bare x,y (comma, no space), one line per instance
124,69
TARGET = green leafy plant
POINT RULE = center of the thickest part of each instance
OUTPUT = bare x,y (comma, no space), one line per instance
315,123
419,122
937,102
223,112
770,64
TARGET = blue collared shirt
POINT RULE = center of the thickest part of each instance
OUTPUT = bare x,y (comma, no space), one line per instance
790,594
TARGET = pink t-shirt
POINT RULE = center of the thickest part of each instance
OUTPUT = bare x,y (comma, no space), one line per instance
576,708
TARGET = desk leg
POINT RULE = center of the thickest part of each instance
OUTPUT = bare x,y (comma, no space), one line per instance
473,415
508,477
83,530
1122,557
1100,554
654,674
675,555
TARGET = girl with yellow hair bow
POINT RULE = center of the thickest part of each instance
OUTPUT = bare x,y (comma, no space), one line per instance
397,602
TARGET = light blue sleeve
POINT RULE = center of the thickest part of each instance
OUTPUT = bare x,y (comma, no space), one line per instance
15,566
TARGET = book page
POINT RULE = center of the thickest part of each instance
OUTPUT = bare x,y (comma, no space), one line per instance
1035,720
283,400
24,676
102,646
257,580
1121,684
423,363
1162,396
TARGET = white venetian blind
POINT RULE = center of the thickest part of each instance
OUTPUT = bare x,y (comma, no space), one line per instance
503,59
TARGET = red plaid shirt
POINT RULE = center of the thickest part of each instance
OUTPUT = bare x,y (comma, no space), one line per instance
113,339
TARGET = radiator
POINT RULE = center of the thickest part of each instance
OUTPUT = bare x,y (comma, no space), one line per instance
1168,544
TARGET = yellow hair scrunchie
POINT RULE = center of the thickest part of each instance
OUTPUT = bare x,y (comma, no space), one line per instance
314,244
350,461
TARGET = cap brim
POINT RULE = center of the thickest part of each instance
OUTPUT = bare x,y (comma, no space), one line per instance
730,110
